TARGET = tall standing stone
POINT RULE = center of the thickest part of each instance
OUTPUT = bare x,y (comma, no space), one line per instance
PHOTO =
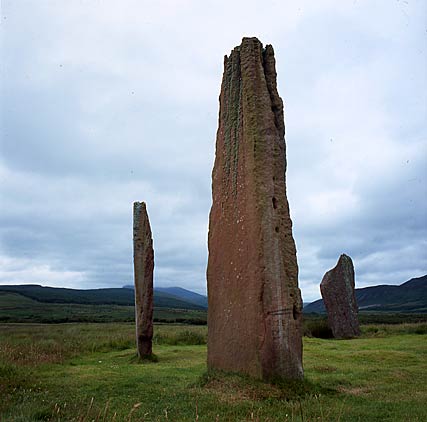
255,307
339,297
143,259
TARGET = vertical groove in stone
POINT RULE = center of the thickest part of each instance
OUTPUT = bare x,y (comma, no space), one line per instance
232,96
143,258
271,80
255,305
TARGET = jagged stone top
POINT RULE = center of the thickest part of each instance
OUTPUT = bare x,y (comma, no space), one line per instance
249,87
141,222
268,63
140,206
343,256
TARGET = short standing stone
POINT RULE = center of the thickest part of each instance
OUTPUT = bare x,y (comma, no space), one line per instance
143,259
254,313
339,297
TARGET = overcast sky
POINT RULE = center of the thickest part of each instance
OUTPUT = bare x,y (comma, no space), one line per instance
109,102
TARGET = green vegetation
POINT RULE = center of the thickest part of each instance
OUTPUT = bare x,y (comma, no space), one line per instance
316,325
17,308
88,372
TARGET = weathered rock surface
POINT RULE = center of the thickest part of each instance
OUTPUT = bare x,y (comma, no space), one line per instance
143,259
255,307
339,297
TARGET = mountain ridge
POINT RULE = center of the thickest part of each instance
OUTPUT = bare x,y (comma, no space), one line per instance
410,296
180,292
106,296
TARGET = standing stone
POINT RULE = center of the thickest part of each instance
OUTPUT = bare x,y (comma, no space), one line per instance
143,260
255,307
339,297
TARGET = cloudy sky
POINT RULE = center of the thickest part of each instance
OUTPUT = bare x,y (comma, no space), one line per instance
107,102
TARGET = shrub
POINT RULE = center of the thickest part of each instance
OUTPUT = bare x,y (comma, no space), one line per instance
317,328
422,329
187,337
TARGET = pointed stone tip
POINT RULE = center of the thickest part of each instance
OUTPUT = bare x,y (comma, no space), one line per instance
250,39
269,50
138,206
246,41
344,261
344,257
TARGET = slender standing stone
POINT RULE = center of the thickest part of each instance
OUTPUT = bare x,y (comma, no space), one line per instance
143,259
339,297
255,307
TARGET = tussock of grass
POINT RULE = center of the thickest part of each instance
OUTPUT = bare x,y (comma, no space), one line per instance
181,338
13,378
232,387
317,328
325,368
146,359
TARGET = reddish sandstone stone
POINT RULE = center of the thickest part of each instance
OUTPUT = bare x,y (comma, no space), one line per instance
143,258
339,297
254,313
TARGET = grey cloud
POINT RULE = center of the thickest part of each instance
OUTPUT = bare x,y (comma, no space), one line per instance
106,106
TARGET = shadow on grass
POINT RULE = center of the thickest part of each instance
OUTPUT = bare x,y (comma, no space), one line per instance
142,360
242,387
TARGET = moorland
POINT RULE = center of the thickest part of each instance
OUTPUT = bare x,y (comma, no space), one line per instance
89,372
61,360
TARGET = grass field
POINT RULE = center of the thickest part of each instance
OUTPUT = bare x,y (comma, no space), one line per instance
88,372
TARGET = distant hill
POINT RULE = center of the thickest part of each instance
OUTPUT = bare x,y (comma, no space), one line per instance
179,292
184,294
15,307
410,296
118,296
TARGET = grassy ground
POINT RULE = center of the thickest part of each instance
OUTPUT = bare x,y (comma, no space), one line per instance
88,372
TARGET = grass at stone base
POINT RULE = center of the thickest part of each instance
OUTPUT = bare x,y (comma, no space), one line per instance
84,372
